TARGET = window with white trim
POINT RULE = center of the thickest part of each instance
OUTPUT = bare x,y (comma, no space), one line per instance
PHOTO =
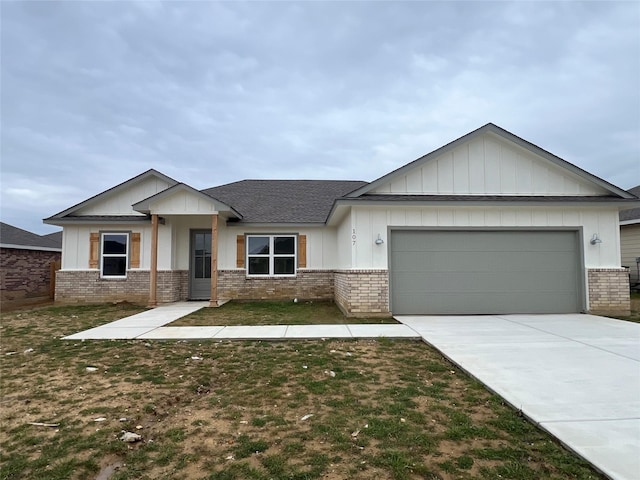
271,255
114,254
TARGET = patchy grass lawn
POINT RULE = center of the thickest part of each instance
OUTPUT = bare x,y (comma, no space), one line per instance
273,313
251,410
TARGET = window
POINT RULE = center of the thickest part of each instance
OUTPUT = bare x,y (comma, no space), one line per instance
271,255
114,258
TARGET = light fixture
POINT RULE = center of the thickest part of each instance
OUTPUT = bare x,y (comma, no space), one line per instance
595,239
379,241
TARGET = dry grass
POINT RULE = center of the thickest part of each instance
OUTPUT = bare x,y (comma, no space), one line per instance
380,409
274,313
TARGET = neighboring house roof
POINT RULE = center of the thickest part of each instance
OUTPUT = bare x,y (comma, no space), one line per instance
55,236
14,237
494,129
632,215
283,201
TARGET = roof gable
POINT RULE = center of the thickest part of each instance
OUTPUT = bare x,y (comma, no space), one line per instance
118,201
181,199
490,161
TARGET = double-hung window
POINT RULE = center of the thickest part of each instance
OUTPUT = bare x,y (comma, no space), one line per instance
114,255
272,255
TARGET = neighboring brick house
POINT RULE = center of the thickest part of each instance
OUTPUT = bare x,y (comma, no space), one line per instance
488,223
25,265
630,240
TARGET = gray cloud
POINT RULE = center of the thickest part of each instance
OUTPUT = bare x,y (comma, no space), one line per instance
94,93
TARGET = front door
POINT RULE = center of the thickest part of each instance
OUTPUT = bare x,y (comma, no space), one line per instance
200,265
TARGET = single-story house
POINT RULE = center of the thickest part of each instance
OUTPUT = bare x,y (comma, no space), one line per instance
630,239
25,265
488,223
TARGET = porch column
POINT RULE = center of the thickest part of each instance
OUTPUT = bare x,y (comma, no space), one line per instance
214,261
153,274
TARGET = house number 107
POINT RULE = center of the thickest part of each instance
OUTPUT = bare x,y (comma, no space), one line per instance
353,236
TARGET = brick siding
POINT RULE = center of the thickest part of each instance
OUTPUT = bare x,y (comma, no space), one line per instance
25,275
609,291
306,285
86,286
362,292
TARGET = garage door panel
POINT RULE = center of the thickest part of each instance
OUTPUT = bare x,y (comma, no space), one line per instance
415,241
451,304
485,283
457,272
484,261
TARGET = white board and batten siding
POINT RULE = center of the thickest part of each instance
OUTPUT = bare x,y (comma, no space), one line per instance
77,243
120,202
369,221
488,165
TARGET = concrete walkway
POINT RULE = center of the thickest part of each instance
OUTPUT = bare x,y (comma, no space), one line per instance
577,376
149,325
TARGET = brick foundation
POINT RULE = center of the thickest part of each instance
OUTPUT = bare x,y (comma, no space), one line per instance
362,292
25,275
306,285
609,291
86,286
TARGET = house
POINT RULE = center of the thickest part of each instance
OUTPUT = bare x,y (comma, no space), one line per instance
25,265
488,223
630,240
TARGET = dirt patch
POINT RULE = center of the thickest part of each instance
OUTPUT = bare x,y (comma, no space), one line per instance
112,465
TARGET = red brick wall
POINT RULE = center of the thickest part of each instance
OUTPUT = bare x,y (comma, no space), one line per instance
25,275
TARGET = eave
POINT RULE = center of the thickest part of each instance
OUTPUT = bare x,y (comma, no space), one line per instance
30,247
483,200
98,219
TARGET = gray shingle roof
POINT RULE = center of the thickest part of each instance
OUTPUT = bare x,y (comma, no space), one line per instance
283,201
55,236
10,235
633,213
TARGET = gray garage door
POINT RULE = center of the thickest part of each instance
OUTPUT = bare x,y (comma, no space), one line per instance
484,272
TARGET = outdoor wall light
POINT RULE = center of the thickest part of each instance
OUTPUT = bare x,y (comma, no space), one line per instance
379,241
595,239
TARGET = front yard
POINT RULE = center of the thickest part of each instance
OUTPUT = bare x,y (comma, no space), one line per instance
273,313
251,410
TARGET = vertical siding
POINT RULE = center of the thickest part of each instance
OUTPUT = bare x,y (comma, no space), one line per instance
345,249
75,246
120,203
630,249
367,221
492,166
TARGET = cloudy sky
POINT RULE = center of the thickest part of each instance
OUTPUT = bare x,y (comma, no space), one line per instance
208,93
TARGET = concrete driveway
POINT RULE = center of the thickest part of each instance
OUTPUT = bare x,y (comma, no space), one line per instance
577,376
